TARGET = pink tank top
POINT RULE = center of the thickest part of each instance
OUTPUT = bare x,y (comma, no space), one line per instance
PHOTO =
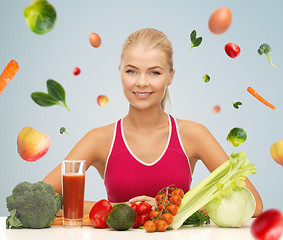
126,176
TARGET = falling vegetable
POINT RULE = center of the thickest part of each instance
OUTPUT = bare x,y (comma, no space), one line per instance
221,182
236,104
8,73
232,50
102,100
76,71
63,130
216,109
55,95
276,151
259,97
95,40
268,225
220,20
40,16
195,42
237,136
206,78
265,49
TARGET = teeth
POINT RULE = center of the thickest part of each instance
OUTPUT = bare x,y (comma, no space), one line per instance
142,94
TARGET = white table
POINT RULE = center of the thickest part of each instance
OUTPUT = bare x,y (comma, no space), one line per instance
210,232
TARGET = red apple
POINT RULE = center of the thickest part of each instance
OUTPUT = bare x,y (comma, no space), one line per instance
32,144
102,100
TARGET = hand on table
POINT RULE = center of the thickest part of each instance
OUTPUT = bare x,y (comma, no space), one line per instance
143,198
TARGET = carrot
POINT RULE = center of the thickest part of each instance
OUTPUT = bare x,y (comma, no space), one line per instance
8,73
260,98
59,221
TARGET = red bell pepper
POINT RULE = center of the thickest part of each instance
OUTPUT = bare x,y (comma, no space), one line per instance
99,213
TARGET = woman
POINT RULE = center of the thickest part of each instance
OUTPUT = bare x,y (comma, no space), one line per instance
147,149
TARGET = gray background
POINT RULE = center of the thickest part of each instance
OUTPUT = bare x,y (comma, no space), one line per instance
54,56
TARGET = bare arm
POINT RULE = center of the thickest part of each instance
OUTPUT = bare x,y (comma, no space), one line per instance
92,147
208,150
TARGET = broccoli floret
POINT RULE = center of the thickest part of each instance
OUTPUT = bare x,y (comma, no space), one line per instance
265,49
33,205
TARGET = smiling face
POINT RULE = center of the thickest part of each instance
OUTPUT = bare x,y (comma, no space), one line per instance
145,75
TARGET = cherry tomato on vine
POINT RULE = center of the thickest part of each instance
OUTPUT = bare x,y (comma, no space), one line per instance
176,199
168,217
232,50
178,191
161,225
154,214
173,209
160,197
150,226
163,204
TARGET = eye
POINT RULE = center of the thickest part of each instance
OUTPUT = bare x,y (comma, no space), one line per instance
130,71
155,73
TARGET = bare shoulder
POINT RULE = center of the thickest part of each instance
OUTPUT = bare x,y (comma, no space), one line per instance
102,133
191,129
195,138
94,146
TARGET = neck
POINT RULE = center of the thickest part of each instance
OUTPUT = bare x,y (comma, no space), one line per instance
146,119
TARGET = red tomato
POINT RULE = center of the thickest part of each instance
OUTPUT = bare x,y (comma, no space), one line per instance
232,50
268,225
143,218
161,225
168,217
76,71
134,206
173,209
163,204
159,198
176,199
143,208
150,226
94,40
154,214
137,222
179,192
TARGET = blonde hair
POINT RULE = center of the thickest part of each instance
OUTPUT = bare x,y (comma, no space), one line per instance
152,38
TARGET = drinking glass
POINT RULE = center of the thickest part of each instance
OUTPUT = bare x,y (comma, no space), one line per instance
73,184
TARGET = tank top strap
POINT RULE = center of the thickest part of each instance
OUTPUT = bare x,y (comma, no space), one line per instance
119,144
175,141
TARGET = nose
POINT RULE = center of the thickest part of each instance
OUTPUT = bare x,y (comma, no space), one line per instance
142,81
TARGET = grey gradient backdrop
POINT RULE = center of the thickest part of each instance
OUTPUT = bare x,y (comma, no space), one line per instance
54,56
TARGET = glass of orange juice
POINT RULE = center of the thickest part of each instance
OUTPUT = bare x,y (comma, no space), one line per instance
73,184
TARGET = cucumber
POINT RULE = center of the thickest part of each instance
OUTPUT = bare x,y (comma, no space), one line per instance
121,218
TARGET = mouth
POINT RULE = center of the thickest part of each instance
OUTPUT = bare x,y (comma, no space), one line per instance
142,95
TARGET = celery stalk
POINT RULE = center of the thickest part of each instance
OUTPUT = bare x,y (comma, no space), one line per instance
221,181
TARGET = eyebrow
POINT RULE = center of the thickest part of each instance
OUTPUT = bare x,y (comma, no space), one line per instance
132,66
